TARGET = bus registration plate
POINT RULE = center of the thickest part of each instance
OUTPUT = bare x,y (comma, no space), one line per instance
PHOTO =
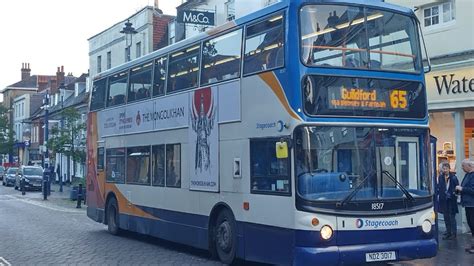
380,256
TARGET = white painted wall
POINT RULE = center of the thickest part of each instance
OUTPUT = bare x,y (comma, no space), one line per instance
111,40
453,37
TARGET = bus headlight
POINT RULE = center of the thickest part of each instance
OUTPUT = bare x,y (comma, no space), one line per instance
426,226
326,232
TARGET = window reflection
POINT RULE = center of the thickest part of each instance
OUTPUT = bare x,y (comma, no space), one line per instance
183,69
117,89
140,82
221,58
160,77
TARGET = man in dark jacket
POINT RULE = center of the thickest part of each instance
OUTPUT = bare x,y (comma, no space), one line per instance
448,205
466,189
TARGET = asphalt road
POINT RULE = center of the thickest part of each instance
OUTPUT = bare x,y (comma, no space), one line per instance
54,232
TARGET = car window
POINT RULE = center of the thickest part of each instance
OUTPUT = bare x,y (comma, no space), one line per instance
32,171
12,170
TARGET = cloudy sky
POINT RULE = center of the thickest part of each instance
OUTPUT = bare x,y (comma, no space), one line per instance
52,33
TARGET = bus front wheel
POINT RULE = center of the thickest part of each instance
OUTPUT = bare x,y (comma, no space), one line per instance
112,217
225,236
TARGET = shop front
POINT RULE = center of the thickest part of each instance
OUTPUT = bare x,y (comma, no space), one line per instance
450,91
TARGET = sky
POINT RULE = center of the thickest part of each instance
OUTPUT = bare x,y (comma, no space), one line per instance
52,33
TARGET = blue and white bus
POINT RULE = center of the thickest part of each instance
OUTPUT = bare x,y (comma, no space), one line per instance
294,135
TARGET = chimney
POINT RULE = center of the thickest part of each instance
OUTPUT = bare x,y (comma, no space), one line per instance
60,76
25,71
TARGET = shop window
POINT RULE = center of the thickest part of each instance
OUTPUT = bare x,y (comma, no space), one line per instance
269,175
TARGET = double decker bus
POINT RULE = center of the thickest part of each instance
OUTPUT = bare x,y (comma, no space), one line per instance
294,135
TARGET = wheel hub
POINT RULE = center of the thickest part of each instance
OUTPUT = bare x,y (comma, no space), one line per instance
224,236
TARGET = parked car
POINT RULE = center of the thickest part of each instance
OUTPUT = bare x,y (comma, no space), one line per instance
10,176
32,175
2,172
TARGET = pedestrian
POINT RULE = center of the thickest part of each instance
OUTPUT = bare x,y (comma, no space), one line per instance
447,200
466,189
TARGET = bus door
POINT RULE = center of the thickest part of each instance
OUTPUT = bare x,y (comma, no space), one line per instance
407,161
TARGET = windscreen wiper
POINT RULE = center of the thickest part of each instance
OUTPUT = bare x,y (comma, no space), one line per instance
402,188
356,189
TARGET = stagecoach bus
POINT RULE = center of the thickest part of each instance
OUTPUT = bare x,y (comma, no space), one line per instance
294,135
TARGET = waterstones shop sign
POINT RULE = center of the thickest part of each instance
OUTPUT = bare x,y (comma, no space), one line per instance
450,86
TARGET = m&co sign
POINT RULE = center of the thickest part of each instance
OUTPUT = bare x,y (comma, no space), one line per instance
196,17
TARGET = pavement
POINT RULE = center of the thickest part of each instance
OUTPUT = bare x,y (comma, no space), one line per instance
56,198
450,252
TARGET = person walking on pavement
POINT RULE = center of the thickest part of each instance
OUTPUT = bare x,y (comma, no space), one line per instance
448,205
466,189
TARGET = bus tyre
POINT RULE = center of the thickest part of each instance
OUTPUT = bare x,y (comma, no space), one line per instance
225,236
112,217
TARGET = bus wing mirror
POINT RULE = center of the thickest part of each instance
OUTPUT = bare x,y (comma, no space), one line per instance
281,148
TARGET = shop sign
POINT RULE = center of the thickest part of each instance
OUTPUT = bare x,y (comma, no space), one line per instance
196,17
450,86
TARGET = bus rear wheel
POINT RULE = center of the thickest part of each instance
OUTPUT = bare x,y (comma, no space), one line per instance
112,217
225,236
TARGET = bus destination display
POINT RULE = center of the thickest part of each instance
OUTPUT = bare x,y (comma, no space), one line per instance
367,99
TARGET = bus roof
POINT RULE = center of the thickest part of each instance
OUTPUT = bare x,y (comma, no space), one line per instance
380,4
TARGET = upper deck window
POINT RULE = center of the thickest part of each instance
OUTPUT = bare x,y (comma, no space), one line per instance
140,82
117,93
160,77
264,45
221,58
356,37
98,94
183,69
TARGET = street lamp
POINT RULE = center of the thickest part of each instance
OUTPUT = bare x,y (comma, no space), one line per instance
128,30
46,130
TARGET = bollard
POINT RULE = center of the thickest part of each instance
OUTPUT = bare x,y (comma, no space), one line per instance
79,196
45,184
22,185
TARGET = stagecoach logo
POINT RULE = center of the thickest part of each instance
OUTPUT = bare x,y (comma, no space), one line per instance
203,118
376,224
138,118
359,223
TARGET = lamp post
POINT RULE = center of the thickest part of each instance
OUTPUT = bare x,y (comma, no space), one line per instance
46,131
60,177
128,30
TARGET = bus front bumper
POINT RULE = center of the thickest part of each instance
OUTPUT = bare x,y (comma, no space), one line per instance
356,254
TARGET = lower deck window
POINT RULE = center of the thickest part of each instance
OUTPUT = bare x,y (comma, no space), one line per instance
115,165
138,165
268,173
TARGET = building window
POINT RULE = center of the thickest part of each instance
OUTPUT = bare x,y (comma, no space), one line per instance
139,49
439,14
109,60
172,32
230,9
269,175
99,64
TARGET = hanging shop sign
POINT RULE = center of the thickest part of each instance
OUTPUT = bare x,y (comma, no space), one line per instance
196,17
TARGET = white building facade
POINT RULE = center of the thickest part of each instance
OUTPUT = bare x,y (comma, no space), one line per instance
448,31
